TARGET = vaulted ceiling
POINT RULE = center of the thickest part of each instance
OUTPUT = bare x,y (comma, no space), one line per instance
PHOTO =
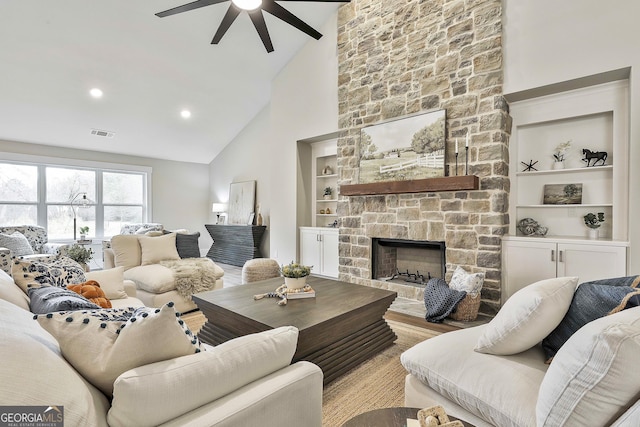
149,69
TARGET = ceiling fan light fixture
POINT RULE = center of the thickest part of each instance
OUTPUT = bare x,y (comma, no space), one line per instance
247,4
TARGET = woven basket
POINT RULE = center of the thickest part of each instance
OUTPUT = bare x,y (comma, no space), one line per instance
467,309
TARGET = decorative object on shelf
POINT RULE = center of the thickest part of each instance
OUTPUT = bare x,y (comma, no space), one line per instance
327,211
559,154
322,211
219,209
83,232
334,224
593,221
562,194
529,166
403,149
327,170
252,215
242,200
81,255
466,156
599,156
328,191
456,156
258,215
531,227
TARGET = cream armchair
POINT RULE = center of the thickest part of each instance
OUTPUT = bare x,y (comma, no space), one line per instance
41,249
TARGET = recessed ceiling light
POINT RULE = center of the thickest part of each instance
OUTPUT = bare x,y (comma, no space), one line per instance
96,93
247,4
185,114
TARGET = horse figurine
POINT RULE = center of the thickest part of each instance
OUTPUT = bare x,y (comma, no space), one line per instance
598,155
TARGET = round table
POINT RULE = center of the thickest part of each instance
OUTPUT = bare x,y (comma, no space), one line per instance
388,417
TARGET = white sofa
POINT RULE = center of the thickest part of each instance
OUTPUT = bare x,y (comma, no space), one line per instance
244,382
593,380
140,256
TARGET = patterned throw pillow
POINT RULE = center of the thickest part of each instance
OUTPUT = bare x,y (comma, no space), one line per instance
470,283
61,272
102,344
17,243
47,299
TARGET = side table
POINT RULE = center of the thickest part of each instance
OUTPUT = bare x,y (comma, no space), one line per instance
388,417
235,244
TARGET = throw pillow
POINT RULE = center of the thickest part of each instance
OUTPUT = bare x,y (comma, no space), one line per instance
527,317
591,301
111,281
60,272
9,291
102,344
17,243
187,245
47,299
593,379
91,291
126,251
156,249
471,283
440,300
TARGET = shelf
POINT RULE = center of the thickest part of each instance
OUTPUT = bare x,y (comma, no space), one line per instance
335,175
429,185
327,214
563,171
590,205
326,201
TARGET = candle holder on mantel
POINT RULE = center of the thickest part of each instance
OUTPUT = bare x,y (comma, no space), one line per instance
466,160
456,163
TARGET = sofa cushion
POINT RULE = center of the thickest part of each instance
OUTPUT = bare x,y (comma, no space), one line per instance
59,272
187,245
591,301
47,299
471,283
126,251
154,278
111,281
593,378
9,291
34,373
102,344
171,388
17,243
528,316
499,389
156,249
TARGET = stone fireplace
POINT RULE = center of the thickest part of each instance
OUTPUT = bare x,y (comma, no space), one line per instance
410,262
402,57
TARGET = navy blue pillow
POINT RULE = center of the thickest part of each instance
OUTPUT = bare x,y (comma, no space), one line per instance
591,301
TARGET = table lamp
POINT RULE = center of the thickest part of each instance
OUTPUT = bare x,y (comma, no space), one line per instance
219,208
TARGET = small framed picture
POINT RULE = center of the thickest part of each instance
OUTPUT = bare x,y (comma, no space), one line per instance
562,194
251,216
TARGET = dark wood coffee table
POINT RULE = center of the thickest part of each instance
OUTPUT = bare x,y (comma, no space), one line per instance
338,329
389,417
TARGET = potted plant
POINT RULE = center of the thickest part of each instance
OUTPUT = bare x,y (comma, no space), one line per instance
594,222
328,191
83,232
295,275
558,156
81,255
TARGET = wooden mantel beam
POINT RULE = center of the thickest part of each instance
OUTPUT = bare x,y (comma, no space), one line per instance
429,185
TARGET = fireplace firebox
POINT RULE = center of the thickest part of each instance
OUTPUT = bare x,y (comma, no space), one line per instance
411,262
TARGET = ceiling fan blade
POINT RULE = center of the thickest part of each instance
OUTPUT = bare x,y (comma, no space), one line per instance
258,21
187,7
229,17
280,12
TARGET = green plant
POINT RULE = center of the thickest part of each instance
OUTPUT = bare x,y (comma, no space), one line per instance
328,191
593,221
84,230
80,254
295,270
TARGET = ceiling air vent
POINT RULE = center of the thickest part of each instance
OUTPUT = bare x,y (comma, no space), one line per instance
103,133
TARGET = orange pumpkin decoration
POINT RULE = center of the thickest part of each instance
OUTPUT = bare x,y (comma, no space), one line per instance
91,290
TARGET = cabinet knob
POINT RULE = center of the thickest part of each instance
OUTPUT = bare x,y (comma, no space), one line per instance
560,254
553,255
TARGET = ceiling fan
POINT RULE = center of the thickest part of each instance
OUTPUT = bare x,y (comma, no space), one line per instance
254,8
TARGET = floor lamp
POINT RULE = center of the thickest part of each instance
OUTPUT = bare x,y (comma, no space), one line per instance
83,203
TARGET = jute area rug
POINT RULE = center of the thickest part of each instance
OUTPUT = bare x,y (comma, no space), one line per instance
376,383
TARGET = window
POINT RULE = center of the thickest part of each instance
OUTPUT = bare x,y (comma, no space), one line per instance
51,196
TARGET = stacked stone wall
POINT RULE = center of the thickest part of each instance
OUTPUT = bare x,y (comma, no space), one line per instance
403,57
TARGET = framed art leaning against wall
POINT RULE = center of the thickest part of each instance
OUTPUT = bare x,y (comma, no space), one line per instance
242,200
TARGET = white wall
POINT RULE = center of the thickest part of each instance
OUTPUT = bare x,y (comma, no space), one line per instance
180,191
548,42
304,104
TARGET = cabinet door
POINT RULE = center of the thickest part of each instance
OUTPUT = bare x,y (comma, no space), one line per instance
330,254
591,262
526,263
310,250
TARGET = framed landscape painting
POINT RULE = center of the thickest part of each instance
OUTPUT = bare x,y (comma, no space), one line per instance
403,149
562,194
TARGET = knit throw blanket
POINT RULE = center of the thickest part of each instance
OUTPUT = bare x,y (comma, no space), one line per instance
440,300
192,275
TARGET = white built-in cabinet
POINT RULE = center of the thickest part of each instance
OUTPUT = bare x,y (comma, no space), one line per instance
319,248
595,118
